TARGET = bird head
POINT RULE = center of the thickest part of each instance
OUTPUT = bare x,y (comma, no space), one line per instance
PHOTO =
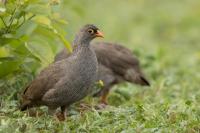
87,33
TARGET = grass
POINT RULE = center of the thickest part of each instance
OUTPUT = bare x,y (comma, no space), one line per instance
165,36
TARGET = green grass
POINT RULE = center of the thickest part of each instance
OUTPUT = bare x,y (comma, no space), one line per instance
165,36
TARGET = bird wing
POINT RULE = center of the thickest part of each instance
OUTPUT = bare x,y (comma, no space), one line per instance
116,57
108,54
44,81
106,75
63,93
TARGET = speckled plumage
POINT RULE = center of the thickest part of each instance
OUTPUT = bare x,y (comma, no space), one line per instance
116,64
66,81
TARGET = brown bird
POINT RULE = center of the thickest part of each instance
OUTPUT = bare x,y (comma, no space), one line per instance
66,81
116,64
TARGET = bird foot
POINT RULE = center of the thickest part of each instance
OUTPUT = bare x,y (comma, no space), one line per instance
101,106
83,107
34,113
60,116
104,101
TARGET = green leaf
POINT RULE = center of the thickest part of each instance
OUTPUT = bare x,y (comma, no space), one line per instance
47,35
41,49
38,9
9,66
2,10
62,38
26,29
57,18
43,20
65,42
4,41
4,52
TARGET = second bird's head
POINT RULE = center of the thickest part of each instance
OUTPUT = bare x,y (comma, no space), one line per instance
87,33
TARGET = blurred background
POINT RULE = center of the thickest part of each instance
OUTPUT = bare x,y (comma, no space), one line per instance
163,34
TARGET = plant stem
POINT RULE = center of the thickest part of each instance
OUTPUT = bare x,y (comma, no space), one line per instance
11,21
31,17
3,22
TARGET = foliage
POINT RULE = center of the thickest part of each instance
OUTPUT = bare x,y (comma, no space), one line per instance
165,36
30,33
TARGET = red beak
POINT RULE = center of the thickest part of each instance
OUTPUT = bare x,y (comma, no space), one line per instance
99,34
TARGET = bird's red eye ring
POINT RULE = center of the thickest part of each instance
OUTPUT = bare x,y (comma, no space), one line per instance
91,31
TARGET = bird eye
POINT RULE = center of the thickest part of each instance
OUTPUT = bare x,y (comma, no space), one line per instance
91,31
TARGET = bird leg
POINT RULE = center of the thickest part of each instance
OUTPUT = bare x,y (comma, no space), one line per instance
59,115
62,114
104,95
83,107
103,99
34,113
51,110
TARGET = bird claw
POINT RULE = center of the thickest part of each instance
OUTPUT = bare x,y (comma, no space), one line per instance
101,106
60,116
34,113
84,106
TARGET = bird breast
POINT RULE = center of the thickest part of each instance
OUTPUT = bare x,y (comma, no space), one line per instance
88,65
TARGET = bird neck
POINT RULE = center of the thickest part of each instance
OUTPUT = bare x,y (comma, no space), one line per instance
80,43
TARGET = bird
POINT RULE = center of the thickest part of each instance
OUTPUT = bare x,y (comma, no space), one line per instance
66,81
116,64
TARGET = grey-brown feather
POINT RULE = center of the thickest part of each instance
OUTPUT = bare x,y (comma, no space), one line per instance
116,64
79,81
65,81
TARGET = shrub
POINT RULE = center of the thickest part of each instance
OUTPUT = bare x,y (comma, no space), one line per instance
30,33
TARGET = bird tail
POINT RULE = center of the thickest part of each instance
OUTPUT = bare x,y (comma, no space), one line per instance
25,104
136,77
143,81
